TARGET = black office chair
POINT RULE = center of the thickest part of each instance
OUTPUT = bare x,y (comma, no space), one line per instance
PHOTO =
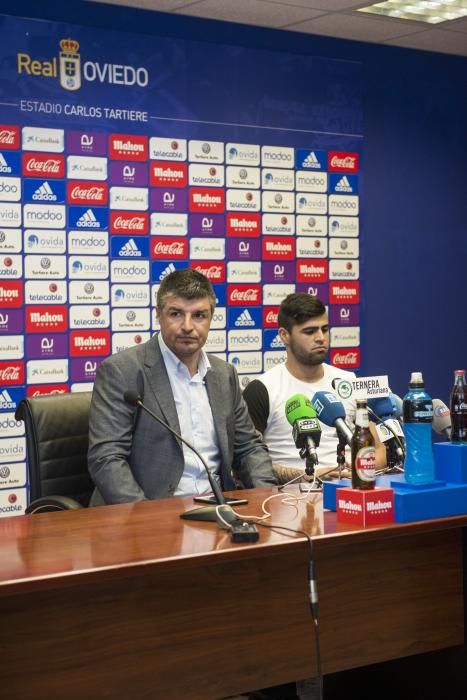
57,444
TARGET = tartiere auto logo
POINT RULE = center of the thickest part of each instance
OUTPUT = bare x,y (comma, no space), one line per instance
70,71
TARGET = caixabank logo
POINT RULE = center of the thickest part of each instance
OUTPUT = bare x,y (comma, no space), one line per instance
71,71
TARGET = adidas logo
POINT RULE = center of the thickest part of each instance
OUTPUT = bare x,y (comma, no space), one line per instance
130,248
344,185
88,220
277,342
44,193
311,161
170,268
6,401
244,319
4,167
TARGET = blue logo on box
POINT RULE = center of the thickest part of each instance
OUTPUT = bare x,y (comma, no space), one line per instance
10,163
88,218
242,319
44,191
341,183
130,247
162,269
307,159
272,340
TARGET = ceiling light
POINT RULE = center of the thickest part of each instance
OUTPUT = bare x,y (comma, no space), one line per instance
430,11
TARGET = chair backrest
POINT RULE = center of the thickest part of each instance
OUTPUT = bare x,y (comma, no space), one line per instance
57,443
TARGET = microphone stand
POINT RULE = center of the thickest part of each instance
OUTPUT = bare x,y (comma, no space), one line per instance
341,445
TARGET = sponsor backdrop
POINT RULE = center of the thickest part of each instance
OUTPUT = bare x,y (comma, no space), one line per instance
109,180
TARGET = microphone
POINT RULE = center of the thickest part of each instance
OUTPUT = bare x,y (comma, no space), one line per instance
222,513
306,430
441,418
382,411
332,412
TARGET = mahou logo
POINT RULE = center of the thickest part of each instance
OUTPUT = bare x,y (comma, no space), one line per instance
129,222
46,319
11,373
214,271
342,162
124,147
167,248
244,225
270,314
244,294
90,344
9,137
278,248
312,270
346,359
168,174
86,192
43,165
344,293
210,200
11,295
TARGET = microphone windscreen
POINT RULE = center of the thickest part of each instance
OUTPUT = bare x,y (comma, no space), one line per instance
396,405
298,406
132,397
441,416
382,406
328,407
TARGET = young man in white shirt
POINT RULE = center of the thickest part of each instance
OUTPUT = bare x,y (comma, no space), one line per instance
304,330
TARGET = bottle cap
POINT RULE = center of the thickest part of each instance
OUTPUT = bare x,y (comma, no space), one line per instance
416,380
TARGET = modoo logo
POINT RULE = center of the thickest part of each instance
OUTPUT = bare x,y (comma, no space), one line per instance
70,72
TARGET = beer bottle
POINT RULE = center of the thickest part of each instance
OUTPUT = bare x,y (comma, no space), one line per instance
459,407
363,450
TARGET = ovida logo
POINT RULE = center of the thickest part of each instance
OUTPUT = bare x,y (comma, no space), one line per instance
69,71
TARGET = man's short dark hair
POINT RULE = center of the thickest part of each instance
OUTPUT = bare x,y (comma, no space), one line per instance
188,284
295,309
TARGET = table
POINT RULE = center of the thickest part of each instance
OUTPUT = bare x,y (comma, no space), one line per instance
131,602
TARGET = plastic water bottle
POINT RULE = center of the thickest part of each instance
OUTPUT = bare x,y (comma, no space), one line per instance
419,466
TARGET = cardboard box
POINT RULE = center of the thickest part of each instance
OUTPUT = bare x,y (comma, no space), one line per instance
365,508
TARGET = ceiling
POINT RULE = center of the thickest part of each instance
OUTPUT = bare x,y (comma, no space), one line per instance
334,18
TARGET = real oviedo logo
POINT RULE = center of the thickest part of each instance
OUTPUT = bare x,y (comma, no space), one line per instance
71,71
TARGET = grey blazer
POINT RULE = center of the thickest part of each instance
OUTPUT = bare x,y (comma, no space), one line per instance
132,457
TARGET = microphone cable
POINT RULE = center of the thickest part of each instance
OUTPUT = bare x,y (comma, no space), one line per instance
313,597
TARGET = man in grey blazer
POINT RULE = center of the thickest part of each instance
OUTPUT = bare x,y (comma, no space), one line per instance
131,456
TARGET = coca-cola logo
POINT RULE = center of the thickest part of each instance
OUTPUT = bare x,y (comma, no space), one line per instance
80,192
51,165
9,137
213,271
11,373
43,164
244,294
345,358
121,222
169,248
271,318
343,162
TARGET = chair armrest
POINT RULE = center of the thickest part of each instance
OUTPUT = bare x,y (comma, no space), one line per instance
49,504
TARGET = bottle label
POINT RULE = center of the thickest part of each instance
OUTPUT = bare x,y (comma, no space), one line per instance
365,463
420,411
